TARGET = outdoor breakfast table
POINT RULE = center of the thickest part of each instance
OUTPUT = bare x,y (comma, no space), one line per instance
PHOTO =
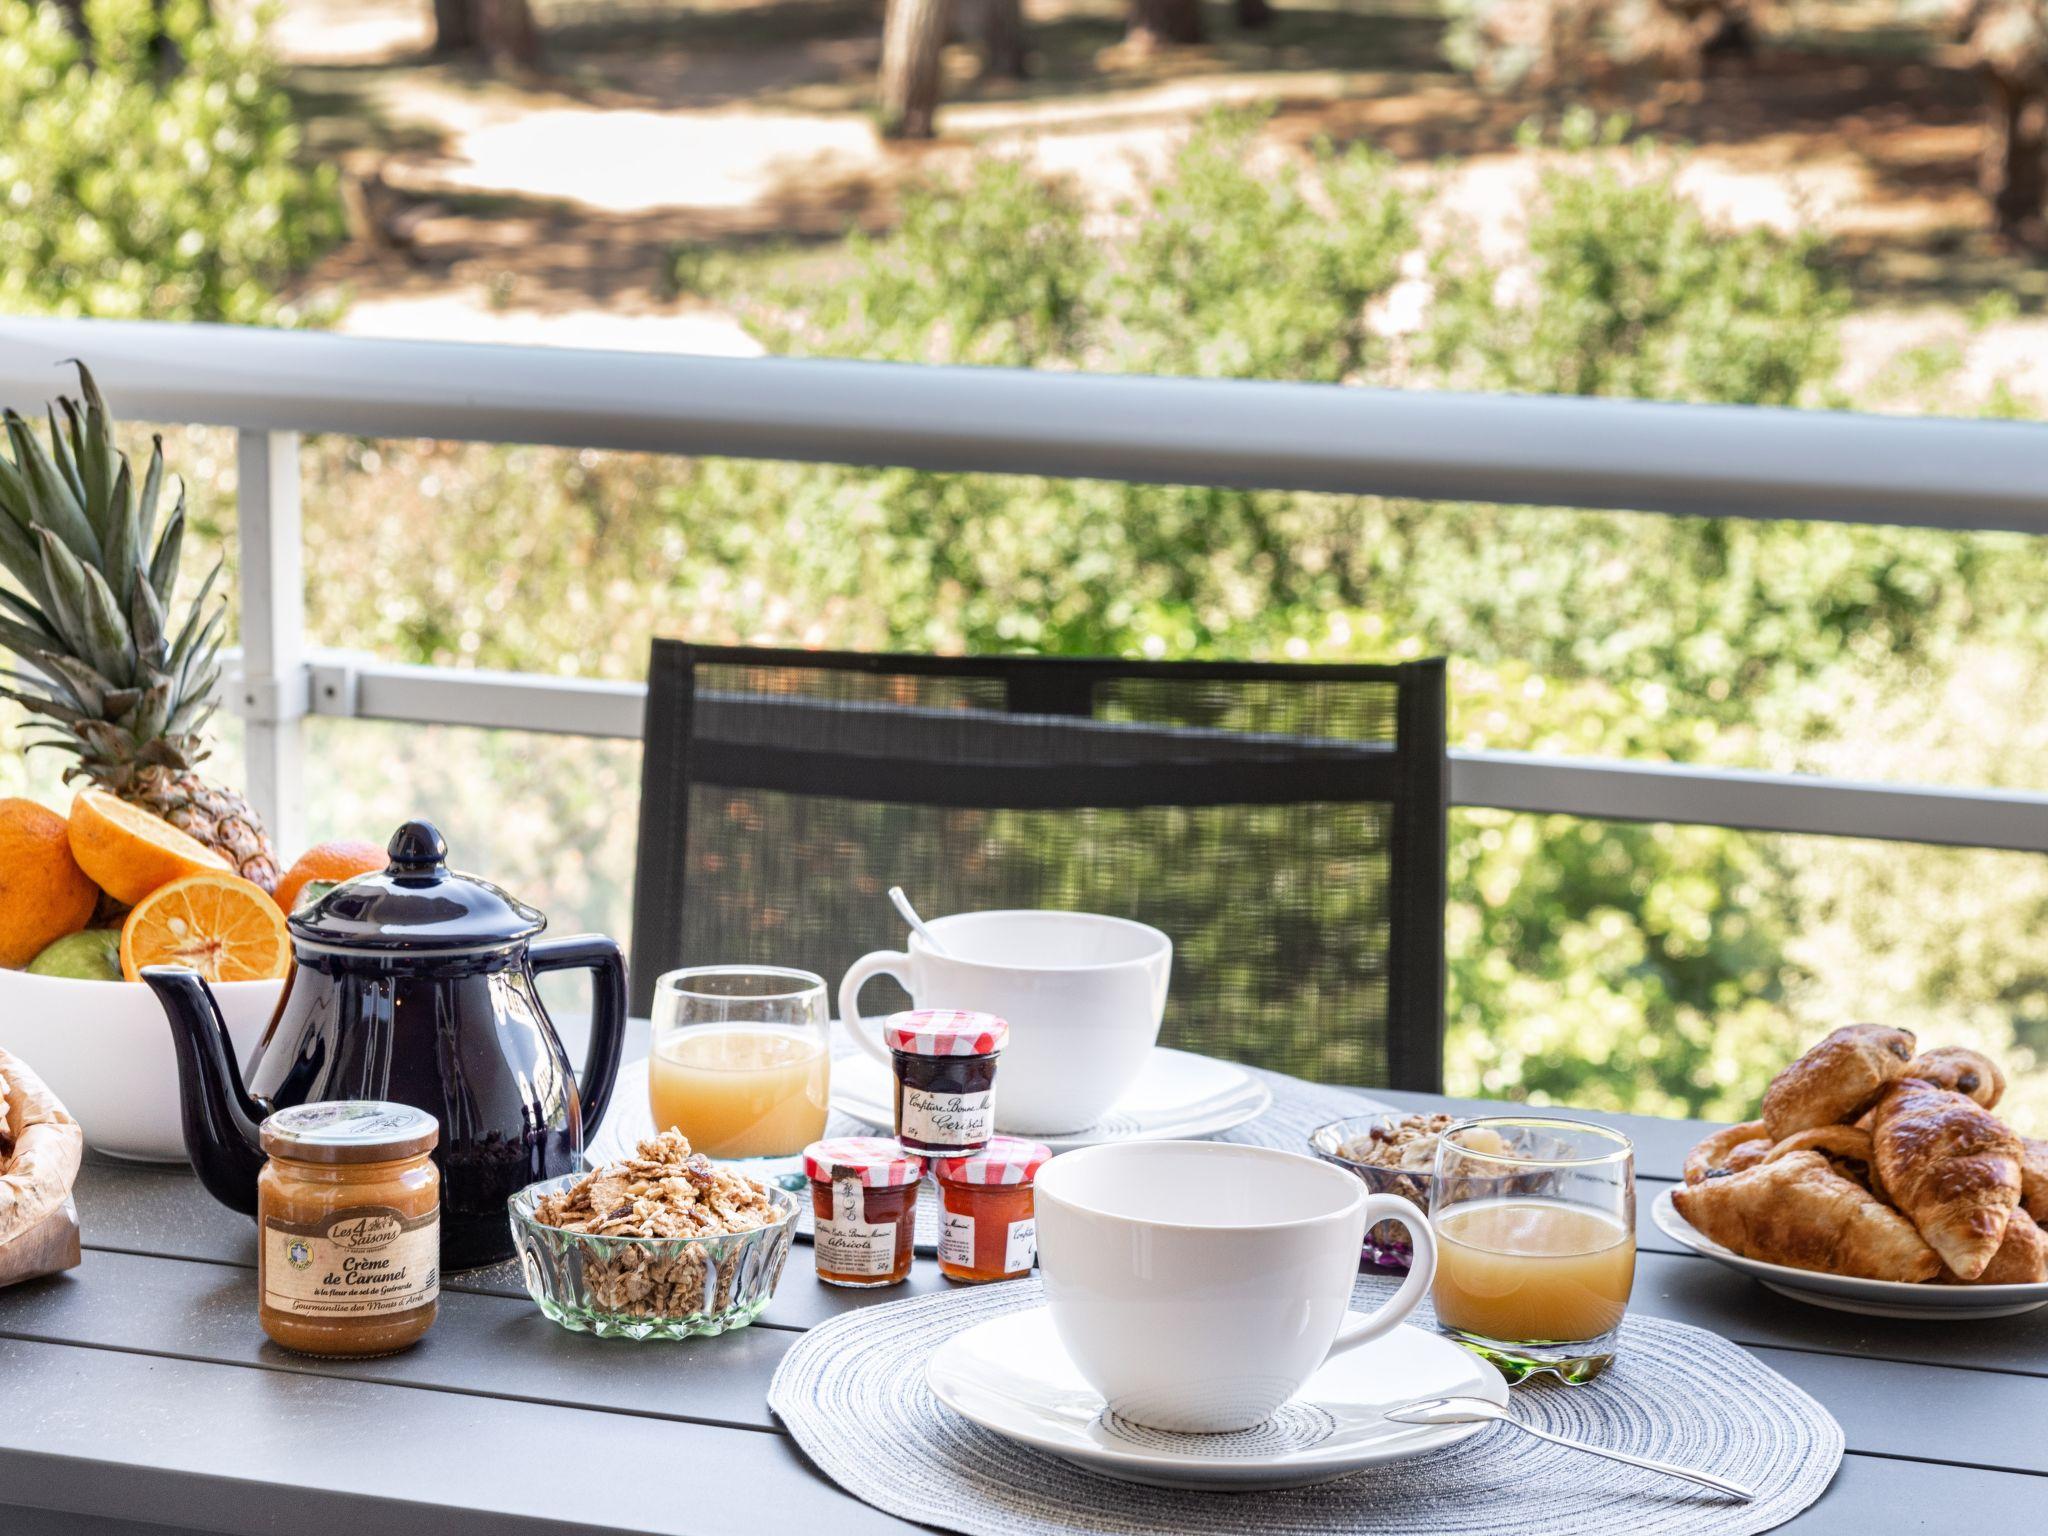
137,1393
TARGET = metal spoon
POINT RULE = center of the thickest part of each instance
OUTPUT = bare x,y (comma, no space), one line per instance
917,923
1470,1410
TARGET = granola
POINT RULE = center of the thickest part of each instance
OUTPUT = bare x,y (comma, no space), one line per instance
1408,1142
663,1191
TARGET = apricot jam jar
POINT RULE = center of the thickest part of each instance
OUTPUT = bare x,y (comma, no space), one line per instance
988,1228
945,1063
864,1201
349,1210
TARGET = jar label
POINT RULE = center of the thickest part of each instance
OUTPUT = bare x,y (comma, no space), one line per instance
956,1241
1021,1251
948,1119
847,1243
366,1261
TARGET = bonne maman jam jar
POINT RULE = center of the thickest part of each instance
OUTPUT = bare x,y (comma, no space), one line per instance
348,1259
945,1065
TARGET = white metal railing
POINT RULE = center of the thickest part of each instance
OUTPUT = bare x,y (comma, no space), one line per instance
1717,461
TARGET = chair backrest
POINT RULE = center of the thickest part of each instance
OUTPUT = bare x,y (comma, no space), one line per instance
1283,824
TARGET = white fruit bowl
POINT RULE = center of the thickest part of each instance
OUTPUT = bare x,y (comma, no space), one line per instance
104,1049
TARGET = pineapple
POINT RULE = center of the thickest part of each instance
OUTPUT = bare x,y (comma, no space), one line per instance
119,685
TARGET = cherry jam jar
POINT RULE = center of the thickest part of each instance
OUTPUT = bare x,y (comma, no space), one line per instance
945,1063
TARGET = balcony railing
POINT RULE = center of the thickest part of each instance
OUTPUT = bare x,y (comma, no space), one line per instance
1711,461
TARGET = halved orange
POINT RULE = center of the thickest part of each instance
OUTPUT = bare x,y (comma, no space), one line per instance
222,926
127,852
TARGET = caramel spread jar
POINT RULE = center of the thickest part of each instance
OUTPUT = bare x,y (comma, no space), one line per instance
349,1207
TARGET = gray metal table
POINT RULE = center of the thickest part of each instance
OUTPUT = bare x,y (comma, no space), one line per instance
137,1393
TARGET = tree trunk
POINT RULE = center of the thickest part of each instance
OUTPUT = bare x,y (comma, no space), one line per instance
1002,38
913,35
2014,171
506,34
1164,24
1253,14
454,26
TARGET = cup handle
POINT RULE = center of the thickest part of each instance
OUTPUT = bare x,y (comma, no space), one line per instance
1421,1270
883,962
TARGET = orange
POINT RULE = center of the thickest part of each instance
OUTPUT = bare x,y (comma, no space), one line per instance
129,852
328,864
222,926
43,893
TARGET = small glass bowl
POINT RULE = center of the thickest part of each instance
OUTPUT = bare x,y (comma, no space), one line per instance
649,1287
1386,1245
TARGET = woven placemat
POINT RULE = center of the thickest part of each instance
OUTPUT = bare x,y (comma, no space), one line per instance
1297,1109
853,1394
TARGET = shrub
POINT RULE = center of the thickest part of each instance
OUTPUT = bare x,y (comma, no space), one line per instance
1630,290
131,192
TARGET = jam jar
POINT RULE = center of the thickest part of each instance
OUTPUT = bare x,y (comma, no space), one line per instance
864,1199
945,1064
987,1226
349,1207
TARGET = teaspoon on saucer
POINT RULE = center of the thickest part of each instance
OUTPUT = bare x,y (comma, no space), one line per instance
1470,1410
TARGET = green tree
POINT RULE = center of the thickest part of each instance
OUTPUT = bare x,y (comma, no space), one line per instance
133,192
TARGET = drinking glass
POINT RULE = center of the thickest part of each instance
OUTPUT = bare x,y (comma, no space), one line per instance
741,1061
1535,1223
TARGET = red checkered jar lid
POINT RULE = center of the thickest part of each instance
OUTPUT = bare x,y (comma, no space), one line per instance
945,1032
876,1161
1005,1160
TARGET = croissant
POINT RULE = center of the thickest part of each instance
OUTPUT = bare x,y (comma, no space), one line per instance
1837,1080
2034,1177
2021,1259
1727,1151
1844,1141
1951,1167
1798,1211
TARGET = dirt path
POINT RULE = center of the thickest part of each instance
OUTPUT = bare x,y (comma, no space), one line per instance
546,209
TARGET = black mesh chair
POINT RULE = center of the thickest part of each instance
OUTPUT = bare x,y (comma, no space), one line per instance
1283,824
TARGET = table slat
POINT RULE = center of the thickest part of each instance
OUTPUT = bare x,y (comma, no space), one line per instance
479,1344
254,1452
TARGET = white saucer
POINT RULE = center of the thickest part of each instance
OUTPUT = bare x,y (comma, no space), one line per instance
1178,1096
1846,1293
1012,1375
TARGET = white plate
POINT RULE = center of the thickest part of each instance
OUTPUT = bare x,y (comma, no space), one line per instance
1178,1096
1012,1375
1846,1293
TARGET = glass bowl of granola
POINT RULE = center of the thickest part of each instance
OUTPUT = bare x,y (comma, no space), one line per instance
1393,1154
664,1244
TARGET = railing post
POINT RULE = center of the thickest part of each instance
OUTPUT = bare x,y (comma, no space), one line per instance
271,695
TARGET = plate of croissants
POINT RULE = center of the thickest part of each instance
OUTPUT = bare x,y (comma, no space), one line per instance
1876,1179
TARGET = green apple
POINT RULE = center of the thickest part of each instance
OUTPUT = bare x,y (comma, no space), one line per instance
93,955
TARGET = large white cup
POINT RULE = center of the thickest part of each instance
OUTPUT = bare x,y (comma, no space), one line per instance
1198,1285
1083,995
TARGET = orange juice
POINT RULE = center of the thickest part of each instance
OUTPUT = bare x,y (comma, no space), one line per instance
744,1090
1528,1271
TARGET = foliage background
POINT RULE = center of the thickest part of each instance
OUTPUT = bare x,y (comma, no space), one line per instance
1655,968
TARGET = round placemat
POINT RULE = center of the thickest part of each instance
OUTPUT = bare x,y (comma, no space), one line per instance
1297,1109
853,1393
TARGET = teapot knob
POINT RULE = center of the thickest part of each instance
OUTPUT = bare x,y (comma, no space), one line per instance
418,846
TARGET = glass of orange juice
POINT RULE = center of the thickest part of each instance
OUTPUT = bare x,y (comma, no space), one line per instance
741,1059
1535,1223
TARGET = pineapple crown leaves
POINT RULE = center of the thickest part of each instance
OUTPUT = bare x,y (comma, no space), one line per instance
96,576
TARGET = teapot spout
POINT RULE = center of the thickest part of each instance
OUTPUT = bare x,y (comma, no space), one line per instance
220,1115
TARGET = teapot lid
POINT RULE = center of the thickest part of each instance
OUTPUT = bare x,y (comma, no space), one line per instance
415,903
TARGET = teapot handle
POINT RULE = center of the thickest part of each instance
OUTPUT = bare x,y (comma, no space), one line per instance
597,954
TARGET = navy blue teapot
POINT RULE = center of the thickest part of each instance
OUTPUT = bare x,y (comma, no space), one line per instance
414,985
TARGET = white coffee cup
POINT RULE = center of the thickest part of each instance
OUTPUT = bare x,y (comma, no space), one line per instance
1083,995
1198,1284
